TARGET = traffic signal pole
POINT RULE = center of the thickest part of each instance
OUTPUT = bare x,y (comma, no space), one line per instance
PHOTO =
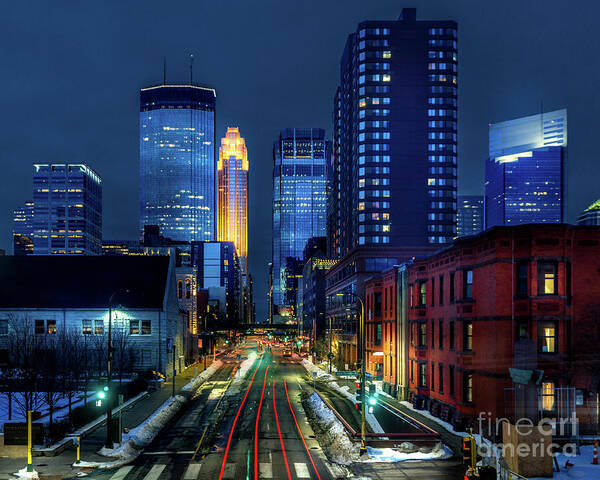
109,441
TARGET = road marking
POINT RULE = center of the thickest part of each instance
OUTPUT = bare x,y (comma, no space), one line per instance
301,470
121,473
266,470
170,452
154,472
192,471
229,471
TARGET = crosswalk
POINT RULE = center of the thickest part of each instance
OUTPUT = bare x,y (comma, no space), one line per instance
193,471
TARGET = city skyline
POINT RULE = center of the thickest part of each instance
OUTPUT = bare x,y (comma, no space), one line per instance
114,104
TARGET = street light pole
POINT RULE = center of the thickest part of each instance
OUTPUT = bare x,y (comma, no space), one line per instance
330,356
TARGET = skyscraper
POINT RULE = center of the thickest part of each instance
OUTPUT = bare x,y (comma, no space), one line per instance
299,196
470,215
590,216
525,175
67,210
177,161
232,171
395,136
23,230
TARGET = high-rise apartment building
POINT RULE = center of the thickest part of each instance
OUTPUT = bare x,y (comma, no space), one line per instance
299,196
470,215
67,210
177,161
525,178
232,171
23,230
395,136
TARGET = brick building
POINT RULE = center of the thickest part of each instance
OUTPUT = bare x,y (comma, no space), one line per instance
471,304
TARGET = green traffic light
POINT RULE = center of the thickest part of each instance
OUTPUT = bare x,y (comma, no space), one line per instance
101,395
372,400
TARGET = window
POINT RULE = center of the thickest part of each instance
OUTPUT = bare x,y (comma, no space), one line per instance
422,293
467,284
432,376
179,289
467,336
451,340
441,294
432,333
39,327
441,335
467,387
422,374
547,337
3,326
422,334
51,327
433,292
378,335
99,327
441,378
134,327
86,327
521,279
451,380
188,288
146,327
451,287
547,396
412,335
547,278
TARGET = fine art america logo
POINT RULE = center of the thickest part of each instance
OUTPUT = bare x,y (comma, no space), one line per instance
535,437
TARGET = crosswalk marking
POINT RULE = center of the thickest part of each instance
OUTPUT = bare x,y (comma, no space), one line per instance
154,472
301,470
192,471
229,472
266,470
121,473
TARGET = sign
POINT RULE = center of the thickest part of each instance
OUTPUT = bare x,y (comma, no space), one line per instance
16,433
346,373
314,374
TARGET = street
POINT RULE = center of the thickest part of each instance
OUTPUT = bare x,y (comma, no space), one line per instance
262,433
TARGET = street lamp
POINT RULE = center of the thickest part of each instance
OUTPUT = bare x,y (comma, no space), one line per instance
109,440
363,446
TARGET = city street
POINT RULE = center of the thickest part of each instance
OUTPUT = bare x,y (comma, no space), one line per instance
264,433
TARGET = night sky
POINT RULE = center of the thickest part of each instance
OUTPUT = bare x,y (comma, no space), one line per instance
70,79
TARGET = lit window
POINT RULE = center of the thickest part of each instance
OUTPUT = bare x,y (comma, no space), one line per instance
547,337
386,78
387,54
547,396
547,278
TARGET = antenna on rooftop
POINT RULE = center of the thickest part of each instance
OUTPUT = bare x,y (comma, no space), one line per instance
191,68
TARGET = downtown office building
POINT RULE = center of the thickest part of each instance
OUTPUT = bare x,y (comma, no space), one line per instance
67,210
469,219
395,136
299,197
177,161
525,175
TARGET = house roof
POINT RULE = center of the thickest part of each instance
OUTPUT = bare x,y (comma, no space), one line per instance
82,281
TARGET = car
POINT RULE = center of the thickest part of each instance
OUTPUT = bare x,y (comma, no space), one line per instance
287,353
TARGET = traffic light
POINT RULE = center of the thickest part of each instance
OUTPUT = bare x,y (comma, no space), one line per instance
299,343
101,395
358,396
469,451
372,397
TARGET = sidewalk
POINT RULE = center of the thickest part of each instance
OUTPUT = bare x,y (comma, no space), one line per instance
60,465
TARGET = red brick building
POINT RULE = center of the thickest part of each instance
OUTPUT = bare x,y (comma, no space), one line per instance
468,305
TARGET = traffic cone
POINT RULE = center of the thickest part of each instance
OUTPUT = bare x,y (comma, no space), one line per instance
595,459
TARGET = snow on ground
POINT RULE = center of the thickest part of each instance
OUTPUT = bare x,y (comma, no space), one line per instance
205,375
241,373
389,455
23,473
582,468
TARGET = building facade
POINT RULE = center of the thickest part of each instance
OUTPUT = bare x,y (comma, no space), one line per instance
177,161
473,307
67,210
23,230
591,215
299,197
525,176
470,215
395,136
145,314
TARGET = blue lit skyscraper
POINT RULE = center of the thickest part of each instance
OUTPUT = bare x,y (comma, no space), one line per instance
177,161
299,196
526,170
469,219
67,210
23,230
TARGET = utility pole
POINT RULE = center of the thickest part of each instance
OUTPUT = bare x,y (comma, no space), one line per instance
109,440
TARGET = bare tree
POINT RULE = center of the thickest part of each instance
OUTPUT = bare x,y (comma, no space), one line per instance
123,356
98,350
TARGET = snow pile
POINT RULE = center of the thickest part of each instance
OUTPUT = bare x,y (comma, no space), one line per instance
142,435
332,434
241,374
388,455
205,375
321,374
582,468
23,473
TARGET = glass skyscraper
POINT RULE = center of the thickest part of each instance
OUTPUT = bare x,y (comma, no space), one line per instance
23,230
299,196
470,215
526,170
232,171
395,136
67,210
177,161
